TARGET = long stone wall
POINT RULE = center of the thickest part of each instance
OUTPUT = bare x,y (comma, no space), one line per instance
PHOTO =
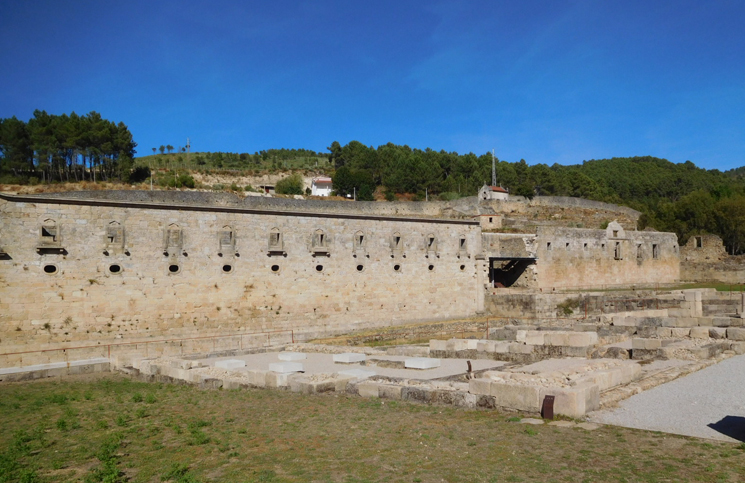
117,270
605,258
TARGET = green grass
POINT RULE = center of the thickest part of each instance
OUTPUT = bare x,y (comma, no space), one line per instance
187,435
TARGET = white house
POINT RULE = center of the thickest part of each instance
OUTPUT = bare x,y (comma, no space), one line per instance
493,193
321,186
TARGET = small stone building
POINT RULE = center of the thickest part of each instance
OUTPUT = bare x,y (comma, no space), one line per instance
493,193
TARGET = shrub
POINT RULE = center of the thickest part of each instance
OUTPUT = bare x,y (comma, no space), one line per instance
291,185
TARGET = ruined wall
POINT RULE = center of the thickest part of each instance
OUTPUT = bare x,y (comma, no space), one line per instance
704,259
113,270
611,257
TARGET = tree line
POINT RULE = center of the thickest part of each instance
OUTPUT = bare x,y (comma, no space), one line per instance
65,147
680,198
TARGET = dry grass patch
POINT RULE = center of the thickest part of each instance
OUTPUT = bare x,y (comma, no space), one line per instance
114,429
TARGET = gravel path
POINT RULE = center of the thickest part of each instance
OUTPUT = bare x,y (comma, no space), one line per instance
691,405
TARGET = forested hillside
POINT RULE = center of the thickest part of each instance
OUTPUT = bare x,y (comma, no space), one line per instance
681,198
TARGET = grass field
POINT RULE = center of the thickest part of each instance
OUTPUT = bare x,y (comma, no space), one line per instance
110,429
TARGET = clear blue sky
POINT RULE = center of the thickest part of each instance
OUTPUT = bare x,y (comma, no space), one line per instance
552,81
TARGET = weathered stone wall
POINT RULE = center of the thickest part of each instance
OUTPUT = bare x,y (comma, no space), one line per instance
611,257
704,259
87,299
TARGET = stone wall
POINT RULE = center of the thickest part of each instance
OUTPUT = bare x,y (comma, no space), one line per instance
704,259
112,270
612,257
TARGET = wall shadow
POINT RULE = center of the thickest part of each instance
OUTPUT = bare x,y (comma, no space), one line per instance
732,426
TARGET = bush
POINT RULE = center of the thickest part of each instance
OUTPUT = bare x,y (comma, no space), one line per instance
139,174
291,185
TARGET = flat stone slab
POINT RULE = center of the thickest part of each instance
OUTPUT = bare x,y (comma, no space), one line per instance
562,424
230,364
358,374
285,367
421,363
349,358
531,421
291,356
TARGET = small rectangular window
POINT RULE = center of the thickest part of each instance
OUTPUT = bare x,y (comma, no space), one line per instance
639,252
617,251
548,246
615,233
584,246
655,251
699,242
567,246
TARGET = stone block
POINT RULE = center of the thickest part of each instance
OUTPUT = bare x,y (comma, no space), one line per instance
700,332
630,372
680,332
664,332
556,339
486,345
721,321
646,332
645,344
438,345
230,364
472,344
284,367
368,389
737,347
623,321
735,333
257,377
349,358
278,379
533,337
582,339
520,348
459,344
358,374
292,356
480,386
502,347
516,396
718,333
390,391
421,363
575,401
686,322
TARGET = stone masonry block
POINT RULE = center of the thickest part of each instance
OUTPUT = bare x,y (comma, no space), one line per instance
277,379
556,338
575,401
520,348
736,333
257,377
368,389
390,391
680,332
438,345
646,344
718,333
664,332
582,339
700,332
480,386
517,396
502,347
721,321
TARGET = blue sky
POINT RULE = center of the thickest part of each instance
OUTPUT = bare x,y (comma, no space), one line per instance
546,81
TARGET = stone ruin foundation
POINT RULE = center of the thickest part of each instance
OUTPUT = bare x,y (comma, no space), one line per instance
590,364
